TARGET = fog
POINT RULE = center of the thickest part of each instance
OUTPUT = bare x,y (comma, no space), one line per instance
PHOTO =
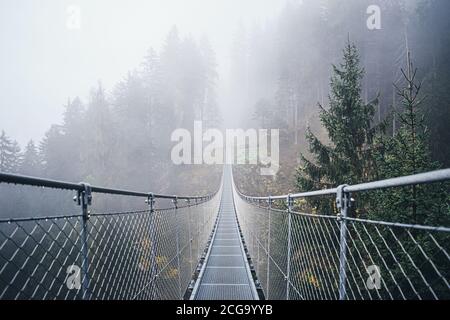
100,86
44,62
137,107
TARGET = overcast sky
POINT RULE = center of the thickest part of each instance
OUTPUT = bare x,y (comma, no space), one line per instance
43,62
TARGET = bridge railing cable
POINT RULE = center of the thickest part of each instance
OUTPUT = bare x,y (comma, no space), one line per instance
140,254
341,255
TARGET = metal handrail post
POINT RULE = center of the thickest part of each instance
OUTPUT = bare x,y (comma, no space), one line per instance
153,262
343,203
288,272
175,202
84,199
190,233
268,251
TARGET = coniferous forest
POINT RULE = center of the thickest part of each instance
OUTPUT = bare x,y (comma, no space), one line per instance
129,108
352,104
121,136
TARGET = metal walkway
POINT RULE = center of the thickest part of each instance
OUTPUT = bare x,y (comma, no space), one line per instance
152,252
225,275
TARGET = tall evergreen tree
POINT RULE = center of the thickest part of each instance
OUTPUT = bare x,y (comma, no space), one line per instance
31,163
209,109
406,153
74,139
101,137
160,110
348,122
10,157
49,148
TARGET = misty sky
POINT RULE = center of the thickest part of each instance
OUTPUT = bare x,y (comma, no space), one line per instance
42,62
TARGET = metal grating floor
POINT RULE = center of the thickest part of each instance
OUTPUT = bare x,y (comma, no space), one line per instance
225,274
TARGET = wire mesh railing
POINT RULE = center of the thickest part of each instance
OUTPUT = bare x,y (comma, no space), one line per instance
143,254
318,255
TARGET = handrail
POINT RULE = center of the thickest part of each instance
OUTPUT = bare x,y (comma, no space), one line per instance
416,179
57,184
332,253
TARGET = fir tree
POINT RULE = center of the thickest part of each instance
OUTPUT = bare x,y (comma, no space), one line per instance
348,123
407,153
75,137
10,157
31,162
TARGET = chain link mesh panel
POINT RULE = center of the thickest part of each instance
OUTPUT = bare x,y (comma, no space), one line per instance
383,260
128,255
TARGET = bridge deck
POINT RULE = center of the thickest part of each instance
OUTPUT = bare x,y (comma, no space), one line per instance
225,274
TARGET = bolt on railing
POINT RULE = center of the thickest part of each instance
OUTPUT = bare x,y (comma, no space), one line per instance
326,256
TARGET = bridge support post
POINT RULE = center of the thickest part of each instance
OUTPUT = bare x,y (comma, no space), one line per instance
153,263
197,230
175,202
343,202
288,272
190,235
268,250
84,199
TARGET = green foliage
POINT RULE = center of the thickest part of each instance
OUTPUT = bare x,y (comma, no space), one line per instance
121,138
407,153
348,123
288,69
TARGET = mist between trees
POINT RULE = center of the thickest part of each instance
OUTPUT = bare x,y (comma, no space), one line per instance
335,130
122,138
280,71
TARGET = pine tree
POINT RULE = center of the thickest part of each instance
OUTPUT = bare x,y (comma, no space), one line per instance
73,117
74,139
407,153
50,150
131,109
170,60
102,137
209,109
31,162
160,110
152,83
16,157
348,122
10,157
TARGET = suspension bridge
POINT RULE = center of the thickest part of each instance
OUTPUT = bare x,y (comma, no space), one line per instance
223,246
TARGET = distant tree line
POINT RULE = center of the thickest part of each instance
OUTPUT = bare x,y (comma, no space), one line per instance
373,107
121,138
359,151
286,63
